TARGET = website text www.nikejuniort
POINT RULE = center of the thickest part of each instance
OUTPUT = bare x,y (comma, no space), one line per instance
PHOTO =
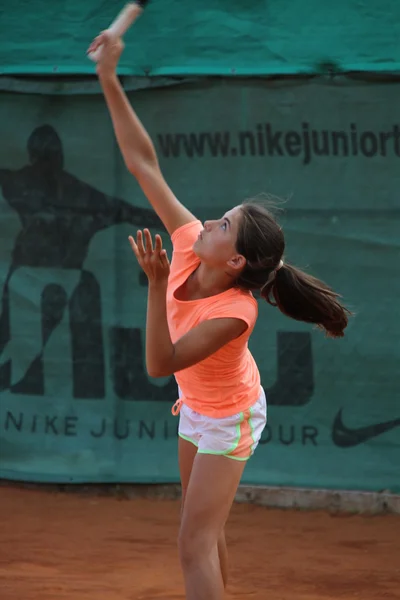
264,139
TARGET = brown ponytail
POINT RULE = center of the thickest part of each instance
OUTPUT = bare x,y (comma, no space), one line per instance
305,298
298,295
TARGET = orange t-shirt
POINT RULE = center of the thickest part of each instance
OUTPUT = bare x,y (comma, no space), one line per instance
228,381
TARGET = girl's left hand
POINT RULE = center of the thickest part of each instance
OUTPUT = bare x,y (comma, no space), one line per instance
154,261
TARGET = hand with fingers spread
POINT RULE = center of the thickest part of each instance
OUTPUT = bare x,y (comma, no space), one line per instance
153,260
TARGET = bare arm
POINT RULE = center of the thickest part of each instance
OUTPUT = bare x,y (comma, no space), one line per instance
135,144
164,358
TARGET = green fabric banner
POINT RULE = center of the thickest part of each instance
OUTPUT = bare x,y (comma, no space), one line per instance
240,37
76,404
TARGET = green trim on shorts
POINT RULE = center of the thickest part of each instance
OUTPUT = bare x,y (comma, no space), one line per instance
232,448
252,430
223,454
237,440
228,452
188,439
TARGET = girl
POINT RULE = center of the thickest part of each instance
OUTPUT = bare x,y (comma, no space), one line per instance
201,312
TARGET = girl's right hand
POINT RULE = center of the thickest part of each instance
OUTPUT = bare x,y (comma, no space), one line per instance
111,48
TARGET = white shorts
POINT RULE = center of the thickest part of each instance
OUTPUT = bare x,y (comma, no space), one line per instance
235,437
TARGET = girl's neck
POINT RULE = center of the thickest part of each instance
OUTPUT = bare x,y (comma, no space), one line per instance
206,282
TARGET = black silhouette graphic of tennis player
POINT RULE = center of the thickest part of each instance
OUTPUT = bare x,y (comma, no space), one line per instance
60,215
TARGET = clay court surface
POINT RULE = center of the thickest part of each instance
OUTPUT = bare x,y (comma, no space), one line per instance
67,545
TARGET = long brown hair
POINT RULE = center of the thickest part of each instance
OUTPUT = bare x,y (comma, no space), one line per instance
298,295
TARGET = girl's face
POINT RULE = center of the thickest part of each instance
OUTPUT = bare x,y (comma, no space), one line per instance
216,244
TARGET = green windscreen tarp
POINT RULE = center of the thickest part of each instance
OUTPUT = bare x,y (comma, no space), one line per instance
76,403
215,37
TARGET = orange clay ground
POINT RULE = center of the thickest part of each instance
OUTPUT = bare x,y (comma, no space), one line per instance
57,545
